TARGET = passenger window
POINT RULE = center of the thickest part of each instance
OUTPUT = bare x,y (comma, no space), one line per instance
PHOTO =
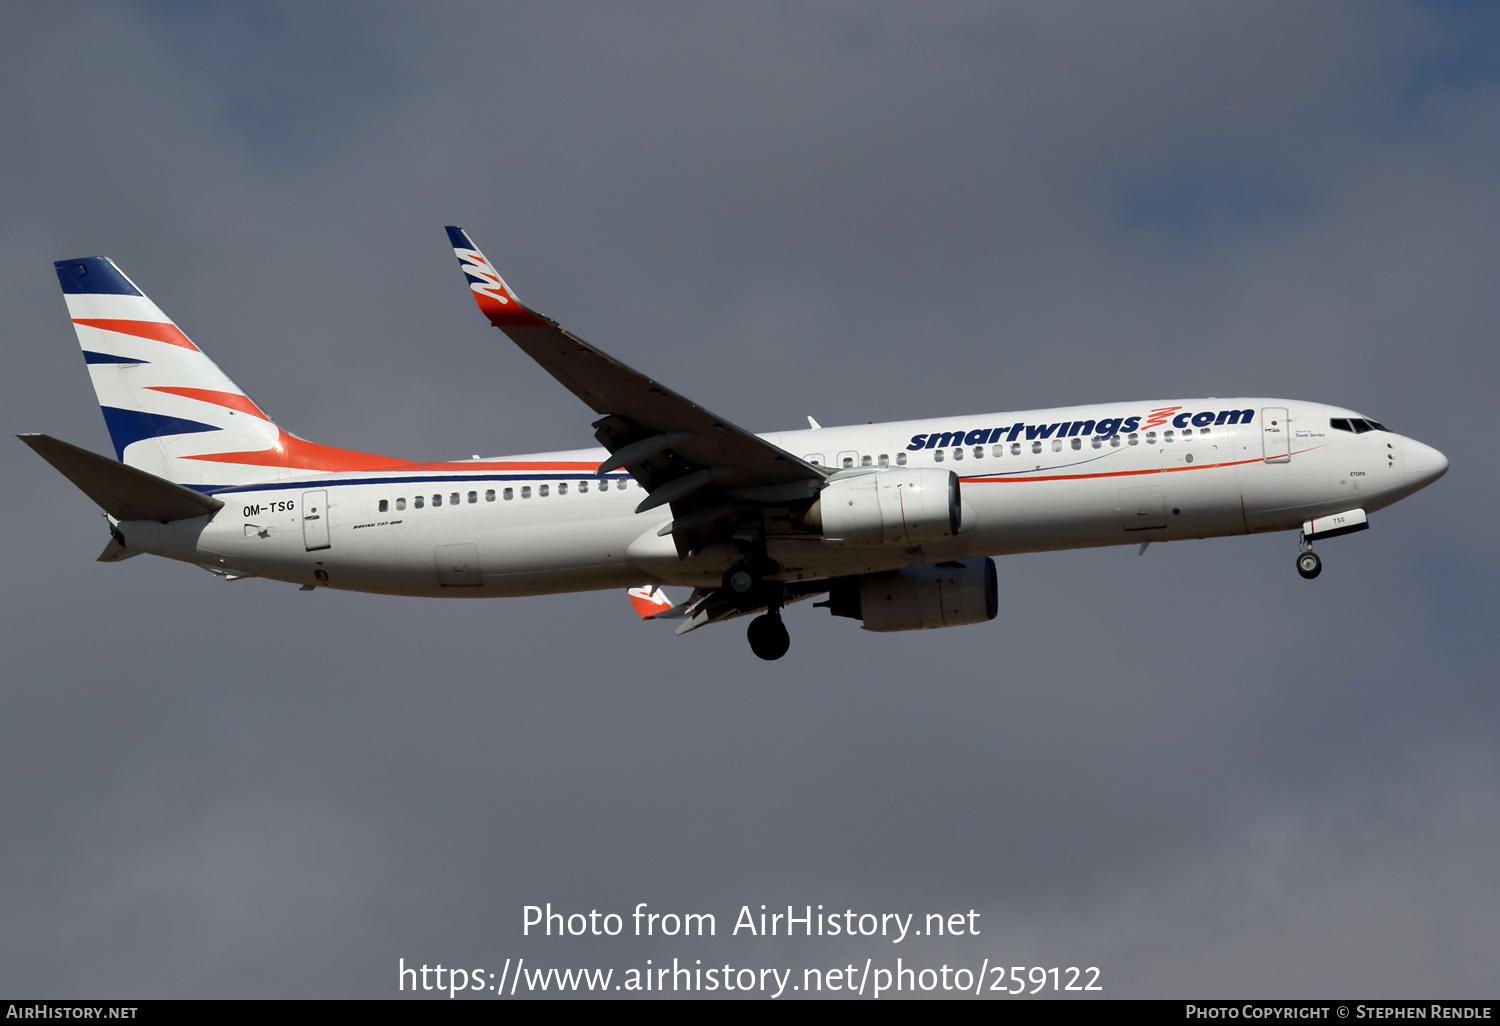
815,458
958,454
562,488
541,491
1078,443
489,495
1166,436
885,459
1057,445
937,455
400,504
900,459
526,491
583,487
416,503
979,452
1187,432
1036,446
508,494
1015,449
384,505
1098,441
848,461
1134,439
998,451
865,461
453,499
1114,441
437,500
473,496
1150,437
1205,431
604,484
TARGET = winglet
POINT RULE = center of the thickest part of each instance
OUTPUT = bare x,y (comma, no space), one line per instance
495,298
650,601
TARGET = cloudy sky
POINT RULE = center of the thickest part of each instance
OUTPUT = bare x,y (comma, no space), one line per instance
1191,769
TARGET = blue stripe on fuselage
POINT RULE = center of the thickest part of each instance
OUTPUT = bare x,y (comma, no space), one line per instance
314,483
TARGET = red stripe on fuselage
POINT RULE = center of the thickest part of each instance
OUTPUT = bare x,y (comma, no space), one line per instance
1120,473
298,454
160,331
459,465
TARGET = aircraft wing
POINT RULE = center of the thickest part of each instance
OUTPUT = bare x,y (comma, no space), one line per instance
707,468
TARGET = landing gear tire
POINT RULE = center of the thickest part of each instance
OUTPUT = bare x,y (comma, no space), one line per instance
1309,565
768,637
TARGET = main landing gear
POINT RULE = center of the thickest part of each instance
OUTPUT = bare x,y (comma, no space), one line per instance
745,585
1308,563
768,636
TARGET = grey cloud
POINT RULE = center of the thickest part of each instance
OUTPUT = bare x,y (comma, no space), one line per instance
1191,767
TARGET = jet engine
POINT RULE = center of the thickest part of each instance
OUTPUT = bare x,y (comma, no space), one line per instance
899,506
946,595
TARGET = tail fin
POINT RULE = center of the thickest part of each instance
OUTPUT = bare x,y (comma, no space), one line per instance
170,410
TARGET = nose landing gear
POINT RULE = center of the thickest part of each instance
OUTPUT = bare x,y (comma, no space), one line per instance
1308,563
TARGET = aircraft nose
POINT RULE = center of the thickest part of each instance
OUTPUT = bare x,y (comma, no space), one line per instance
1424,464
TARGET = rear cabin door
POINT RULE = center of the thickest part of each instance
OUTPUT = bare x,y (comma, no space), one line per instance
1275,435
315,520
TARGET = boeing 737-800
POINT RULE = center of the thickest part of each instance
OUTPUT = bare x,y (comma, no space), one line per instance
895,523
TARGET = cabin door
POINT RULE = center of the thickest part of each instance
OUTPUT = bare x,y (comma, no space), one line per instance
1275,435
315,520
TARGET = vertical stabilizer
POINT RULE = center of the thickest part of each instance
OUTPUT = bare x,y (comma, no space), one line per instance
169,409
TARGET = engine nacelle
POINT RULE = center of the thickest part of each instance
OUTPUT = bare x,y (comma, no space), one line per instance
900,506
945,595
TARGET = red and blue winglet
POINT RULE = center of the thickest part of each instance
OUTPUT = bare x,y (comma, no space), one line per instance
495,298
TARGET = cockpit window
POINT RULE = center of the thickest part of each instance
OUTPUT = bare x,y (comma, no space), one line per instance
1358,425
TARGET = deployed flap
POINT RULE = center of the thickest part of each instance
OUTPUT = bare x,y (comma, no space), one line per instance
660,437
712,606
125,493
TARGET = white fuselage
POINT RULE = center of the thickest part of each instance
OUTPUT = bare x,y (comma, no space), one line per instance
545,523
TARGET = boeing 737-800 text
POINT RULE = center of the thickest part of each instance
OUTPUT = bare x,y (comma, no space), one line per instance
895,523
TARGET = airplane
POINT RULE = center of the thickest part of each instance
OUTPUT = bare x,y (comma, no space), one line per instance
896,524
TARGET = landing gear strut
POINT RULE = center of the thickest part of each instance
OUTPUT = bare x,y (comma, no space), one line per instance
1308,563
768,636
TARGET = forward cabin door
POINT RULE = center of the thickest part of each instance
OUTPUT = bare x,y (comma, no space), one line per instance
1275,435
315,520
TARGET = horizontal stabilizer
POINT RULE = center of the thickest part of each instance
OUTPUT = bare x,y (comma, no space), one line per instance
123,492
